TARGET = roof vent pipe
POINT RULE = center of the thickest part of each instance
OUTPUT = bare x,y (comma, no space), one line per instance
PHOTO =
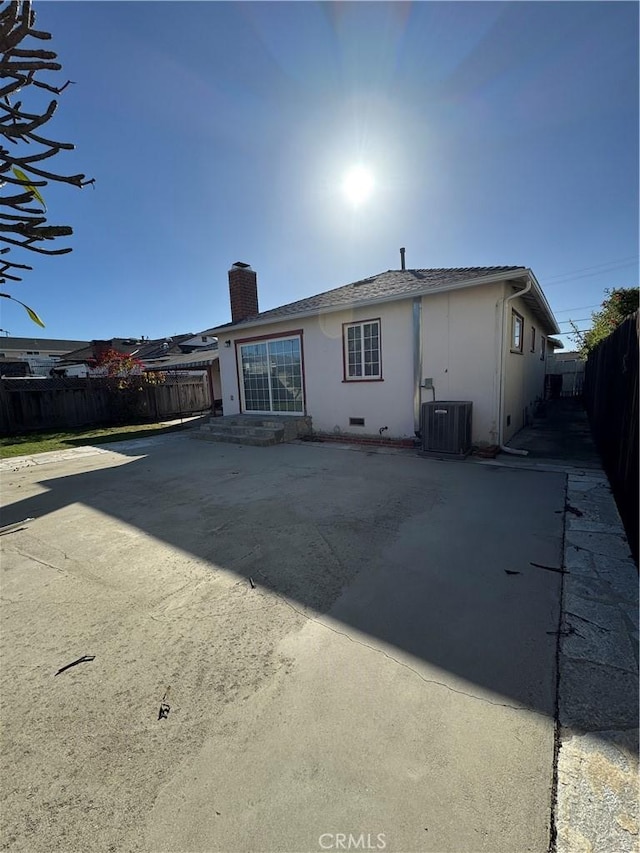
402,266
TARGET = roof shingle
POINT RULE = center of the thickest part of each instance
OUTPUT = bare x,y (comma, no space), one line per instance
387,284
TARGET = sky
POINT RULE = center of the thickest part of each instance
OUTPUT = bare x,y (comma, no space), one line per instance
493,133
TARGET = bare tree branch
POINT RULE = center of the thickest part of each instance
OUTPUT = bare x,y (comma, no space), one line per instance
32,158
7,265
39,54
57,90
22,224
67,146
9,179
36,232
36,220
28,126
76,180
16,201
27,244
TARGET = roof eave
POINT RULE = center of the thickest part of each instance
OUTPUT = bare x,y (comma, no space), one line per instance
396,297
546,308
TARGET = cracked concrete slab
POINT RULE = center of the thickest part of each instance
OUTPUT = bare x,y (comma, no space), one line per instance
597,793
343,647
595,696
596,804
599,770
607,646
608,544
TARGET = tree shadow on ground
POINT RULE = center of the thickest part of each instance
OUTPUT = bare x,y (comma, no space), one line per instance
431,558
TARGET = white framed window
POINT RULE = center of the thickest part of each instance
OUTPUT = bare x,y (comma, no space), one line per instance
517,331
362,351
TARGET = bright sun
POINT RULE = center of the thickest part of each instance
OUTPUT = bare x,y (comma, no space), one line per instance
357,185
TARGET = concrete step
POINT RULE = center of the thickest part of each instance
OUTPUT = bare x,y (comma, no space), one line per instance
249,420
253,431
235,439
228,438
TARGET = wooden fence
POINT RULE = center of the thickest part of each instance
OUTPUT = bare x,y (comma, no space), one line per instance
27,405
611,400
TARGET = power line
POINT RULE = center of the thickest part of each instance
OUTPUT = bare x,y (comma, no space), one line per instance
590,274
594,266
578,308
578,320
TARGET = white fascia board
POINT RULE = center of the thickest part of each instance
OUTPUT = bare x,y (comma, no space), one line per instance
542,299
397,297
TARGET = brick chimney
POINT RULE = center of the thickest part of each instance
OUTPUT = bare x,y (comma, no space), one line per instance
243,292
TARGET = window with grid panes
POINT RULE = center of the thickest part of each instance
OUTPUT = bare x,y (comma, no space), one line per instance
362,350
272,376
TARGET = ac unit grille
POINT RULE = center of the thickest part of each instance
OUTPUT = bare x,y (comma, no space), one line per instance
445,426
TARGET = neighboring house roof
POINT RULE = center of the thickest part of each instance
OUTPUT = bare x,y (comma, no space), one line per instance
571,355
87,352
394,284
10,343
141,349
189,347
199,360
160,346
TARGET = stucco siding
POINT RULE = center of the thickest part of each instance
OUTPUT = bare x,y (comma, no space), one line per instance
524,371
228,375
463,336
461,352
330,400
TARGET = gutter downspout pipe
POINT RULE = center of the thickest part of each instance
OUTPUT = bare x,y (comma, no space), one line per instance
417,361
503,364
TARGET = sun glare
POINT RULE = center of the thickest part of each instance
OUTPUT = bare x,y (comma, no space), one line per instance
357,185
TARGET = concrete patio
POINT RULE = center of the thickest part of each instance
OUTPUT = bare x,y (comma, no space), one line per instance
349,642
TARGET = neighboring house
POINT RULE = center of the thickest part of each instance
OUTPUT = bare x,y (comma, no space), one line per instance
40,354
569,368
199,342
202,362
361,358
81,362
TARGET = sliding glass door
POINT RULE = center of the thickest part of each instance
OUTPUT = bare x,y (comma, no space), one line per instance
271,376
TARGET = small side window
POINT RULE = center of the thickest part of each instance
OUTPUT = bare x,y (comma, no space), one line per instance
543,347
533,339
517,328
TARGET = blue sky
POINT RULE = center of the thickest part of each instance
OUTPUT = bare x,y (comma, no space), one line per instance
497,133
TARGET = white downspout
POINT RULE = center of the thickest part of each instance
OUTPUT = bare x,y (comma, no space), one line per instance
503,365
416,317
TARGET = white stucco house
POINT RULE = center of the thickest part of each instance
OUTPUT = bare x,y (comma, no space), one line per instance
366,355
41,354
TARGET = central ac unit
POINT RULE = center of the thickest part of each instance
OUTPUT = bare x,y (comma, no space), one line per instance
445,427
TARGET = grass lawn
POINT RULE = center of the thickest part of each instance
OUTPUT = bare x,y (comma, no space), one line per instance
40,442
